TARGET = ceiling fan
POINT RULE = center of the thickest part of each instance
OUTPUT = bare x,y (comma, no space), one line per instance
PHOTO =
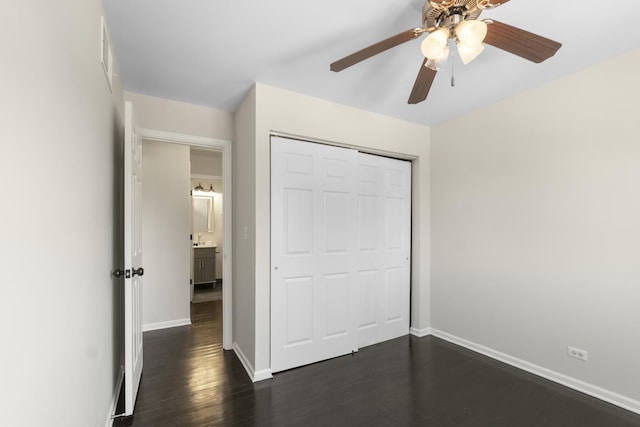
449,21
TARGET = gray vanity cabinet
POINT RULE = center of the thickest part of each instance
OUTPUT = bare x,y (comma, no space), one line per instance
204,265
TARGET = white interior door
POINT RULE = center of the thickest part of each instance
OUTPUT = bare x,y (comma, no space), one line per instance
313,276
384,248
193,237
132,259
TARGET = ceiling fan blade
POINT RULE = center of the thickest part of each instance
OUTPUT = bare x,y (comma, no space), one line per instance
520,42
375,49
422,85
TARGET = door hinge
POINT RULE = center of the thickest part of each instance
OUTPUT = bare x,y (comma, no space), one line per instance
191,281
190,236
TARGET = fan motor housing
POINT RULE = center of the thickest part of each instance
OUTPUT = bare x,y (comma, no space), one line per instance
449,14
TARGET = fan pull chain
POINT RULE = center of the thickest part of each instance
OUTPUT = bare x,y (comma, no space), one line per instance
453,78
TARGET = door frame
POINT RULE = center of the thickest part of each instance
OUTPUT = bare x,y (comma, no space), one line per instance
227,262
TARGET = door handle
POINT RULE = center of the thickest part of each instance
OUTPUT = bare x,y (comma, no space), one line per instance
139,271
117,273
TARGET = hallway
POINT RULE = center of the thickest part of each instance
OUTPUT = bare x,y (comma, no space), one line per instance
188,380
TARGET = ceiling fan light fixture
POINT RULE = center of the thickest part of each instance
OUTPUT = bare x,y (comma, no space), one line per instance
447,21
432,64
436,64
468,53
472,32
434,45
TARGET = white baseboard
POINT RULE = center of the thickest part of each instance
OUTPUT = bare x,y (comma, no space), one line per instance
243,359
420,332
164,325
114,398
255,376
262,375
581,386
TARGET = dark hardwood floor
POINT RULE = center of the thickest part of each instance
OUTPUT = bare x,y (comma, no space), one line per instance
188,380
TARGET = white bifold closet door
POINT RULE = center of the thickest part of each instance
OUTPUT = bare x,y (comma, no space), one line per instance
340,243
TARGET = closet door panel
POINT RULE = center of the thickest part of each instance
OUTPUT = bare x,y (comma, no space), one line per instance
384,205
313,284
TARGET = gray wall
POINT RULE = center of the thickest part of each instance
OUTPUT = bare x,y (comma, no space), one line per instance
61,225
536,223
244,217
206,162
166,227
179,117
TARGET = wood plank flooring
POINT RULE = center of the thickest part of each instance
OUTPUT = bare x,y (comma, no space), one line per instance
188,380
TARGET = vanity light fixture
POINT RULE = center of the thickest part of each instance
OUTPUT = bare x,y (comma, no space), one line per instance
199,190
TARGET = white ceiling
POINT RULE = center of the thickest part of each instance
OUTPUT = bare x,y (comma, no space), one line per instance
210,52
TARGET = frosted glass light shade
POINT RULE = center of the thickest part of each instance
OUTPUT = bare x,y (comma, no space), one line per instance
433,46
469,53
472,32
436,63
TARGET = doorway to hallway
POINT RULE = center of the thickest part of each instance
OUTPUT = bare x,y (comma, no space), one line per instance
224,257
207,226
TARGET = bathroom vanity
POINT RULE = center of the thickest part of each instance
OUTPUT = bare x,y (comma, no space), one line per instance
204,264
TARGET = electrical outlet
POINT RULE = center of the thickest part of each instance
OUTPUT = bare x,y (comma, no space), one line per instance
577,353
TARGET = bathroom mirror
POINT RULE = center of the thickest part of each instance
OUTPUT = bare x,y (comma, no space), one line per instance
202,214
